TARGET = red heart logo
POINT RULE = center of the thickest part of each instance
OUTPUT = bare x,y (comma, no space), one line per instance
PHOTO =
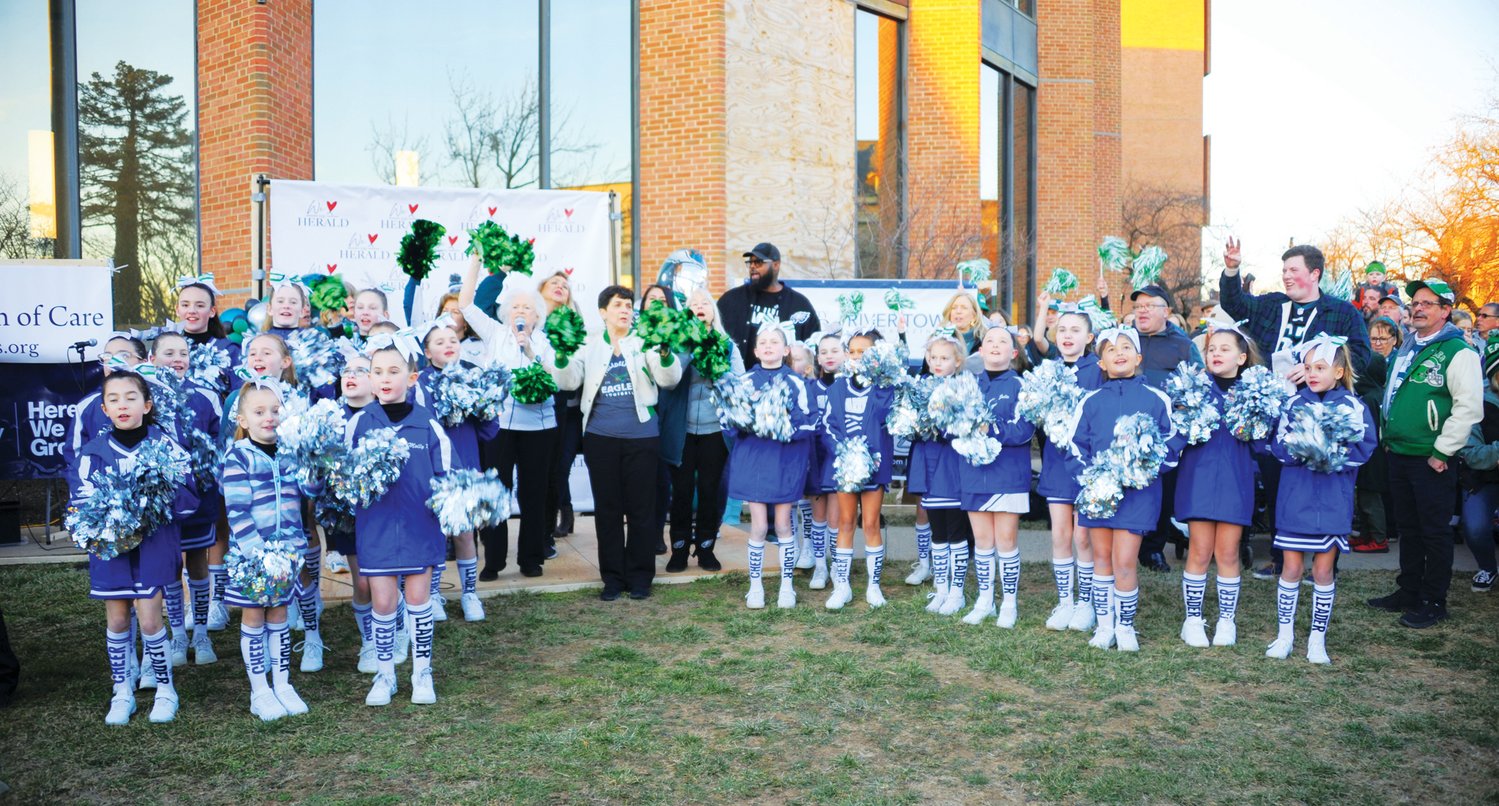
568,271
531,241
373,237
568,211
412,208
331,205
452,239
332,267
492,209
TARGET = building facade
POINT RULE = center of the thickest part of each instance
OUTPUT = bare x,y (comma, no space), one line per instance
866,138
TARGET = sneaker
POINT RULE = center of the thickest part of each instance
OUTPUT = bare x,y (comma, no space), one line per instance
439,608
819,575
164,707
403,646
312,655
1060,617
203,653
218,616
920,572
473,608
551,552
706,560
804,558
787,598
1103,637
678,561
382,690
983,607
1397,602
755,599
953,603
1195,632
874,597
1083,618
1483,581
368,658
1427,615
335,563
422,692
1156,561
148,677
290,700
121,705
936,598
1370,547
179,649
1316,649
1009,613
1266,571
843,593
1280,648
1126,640
1226,633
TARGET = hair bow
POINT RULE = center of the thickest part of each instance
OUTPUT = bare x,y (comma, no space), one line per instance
279,279
402,341
1215,326
945,334
1324,348
788,330
422,331
1114,334
205,280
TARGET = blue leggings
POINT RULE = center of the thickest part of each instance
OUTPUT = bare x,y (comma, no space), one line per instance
1477,523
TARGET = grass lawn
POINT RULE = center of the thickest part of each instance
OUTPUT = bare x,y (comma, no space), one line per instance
690,698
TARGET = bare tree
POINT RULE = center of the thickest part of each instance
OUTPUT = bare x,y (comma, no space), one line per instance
1173,220
387,141
15,225
468,130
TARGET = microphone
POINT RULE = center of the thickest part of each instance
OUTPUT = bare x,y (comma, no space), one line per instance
520,324
80,346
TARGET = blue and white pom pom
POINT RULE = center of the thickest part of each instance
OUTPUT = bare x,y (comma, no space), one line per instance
469,500
1193,411
313,436
883,365
1048,395
1254,404
208,366
317,360
854,465
1320,435
129,501
958,407
1131,462
734,395
461,393
910,417
771,412
265,573
364,475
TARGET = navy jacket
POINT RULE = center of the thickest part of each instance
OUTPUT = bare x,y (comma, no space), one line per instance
1264,313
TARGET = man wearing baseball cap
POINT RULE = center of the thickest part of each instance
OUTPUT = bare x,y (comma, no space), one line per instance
1432,400
764,299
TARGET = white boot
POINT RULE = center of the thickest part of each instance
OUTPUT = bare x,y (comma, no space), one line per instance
1195,632
819,574
983,607
920,572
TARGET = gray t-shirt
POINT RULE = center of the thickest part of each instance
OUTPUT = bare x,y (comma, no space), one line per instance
613,413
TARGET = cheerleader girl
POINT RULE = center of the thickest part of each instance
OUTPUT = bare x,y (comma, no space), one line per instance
470,346
804,363
264,501
854,410
769,476
370,307
1116,539
398,536
287,307
1313,509
170,354
995,495
441,345
1058,485
933,474
138,576
1215,497
358,392
830,356
198,320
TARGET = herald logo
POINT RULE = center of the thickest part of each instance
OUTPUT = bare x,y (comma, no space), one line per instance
331,205
568,211
332,267
492,211
452,239
372,236
411,208
568,271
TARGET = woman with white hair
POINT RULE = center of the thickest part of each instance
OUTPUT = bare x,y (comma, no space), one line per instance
527,444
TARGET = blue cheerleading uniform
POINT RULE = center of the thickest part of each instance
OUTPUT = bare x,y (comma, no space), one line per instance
1314,510
398,535
466,435
200,530
263,501
988,488
944,479
1059,468
226,376
1215,480
89,423
817,455
859,413
764,471
142,572
1092,433
342,540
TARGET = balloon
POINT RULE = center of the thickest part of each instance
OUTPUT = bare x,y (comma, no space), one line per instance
240,325
257,315
684,272
232,315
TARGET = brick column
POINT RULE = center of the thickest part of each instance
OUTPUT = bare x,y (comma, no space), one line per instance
254,116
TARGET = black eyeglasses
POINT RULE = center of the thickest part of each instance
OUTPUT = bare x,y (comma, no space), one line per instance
753,261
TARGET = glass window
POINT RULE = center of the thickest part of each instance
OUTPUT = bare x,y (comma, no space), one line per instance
878,146
137,115
28,220
991,164
1020,292
1007,109
458,109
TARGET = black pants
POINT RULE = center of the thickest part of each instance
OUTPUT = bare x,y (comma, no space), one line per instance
10,666
622,473
569,441
1155,542
1270,468
703,459
530,454
1423,501
950,526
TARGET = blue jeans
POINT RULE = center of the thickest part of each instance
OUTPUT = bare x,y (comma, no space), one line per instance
1477,523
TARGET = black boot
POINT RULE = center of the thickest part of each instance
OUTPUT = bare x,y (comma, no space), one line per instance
705,558
678,561
564,523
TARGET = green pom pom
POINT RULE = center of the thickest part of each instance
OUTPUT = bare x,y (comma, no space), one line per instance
419,248
1114,254
1148,266
850,305
1061,282
532,384
565,330
974,272
500,250
329,294
657,326
711,357
897,302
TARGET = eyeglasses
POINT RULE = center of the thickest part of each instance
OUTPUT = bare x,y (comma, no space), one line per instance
1147,306
354,372
1488,316
1426,303
1381,339
753,261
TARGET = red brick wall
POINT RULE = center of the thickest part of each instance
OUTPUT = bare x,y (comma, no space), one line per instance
683,136
255,116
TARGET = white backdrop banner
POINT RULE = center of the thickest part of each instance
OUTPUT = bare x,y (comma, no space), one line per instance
355,231
929,296
49,305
